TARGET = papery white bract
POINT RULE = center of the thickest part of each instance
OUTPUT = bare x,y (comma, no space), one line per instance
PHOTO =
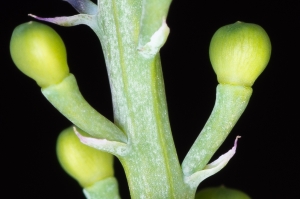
196,178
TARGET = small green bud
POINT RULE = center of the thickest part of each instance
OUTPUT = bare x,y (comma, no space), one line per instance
39,52
221,193
239,53
86,164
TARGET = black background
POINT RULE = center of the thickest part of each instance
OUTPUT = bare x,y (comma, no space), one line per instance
266,163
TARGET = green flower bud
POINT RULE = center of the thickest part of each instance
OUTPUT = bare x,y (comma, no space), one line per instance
86,164
221,193
39,52
239,53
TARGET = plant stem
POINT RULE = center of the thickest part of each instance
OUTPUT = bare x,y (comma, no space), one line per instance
152,166
140,110
231,101
67,98
107,188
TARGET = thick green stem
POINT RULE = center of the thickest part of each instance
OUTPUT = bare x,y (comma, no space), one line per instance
152,167
140,110
231,101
